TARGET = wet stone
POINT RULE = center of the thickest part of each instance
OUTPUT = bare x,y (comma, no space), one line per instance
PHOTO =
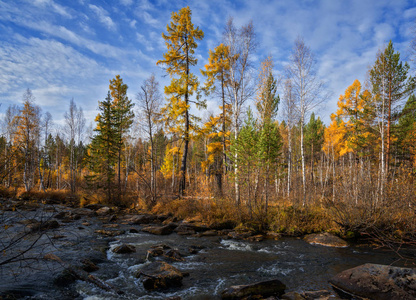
124,248
194,249
88,265
165,251
159,230
375,281
142,219
159,275
133,230
104,211
326,239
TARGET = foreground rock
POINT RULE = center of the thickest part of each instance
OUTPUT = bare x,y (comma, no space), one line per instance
372,281
263,289
326,239
159,275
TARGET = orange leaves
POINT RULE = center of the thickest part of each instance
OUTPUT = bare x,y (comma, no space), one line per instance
349,129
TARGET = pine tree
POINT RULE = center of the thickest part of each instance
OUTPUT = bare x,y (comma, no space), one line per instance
269,152
246,146
314,138
123,117
104,148
406,129
267,102
390,83
181,44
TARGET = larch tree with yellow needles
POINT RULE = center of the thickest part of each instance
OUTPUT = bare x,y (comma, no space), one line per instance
217,72
180,41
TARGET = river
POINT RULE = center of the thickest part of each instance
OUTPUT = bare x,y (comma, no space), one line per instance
221,263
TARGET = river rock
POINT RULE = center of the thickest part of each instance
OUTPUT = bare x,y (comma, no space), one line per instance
159,230
35,225
256,238
268,288
124,248
142,219
165,251
239,235
159,275
94,206
209,233
379,282
194,249
88,265
188,227
86,212
109,232
104,211
325,239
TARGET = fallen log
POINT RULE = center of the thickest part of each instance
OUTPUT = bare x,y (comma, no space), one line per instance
83,275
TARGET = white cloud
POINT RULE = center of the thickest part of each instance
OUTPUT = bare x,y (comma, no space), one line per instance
103,16
383,33
133,24
147,18
63,11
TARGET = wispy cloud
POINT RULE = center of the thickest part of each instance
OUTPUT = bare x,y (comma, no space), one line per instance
61,10
103,16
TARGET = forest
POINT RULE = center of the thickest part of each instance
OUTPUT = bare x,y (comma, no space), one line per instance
163,152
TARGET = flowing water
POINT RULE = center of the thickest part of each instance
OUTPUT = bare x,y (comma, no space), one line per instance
221,263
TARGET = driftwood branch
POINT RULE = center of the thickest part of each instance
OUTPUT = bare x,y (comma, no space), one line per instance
83,275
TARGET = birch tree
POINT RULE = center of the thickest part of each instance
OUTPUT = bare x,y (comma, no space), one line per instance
241,44
307,90
149,102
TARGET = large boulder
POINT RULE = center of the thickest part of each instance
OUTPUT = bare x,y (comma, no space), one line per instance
325,239
372,281
268,288
159,275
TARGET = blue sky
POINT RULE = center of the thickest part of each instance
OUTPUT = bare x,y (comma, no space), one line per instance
71,49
